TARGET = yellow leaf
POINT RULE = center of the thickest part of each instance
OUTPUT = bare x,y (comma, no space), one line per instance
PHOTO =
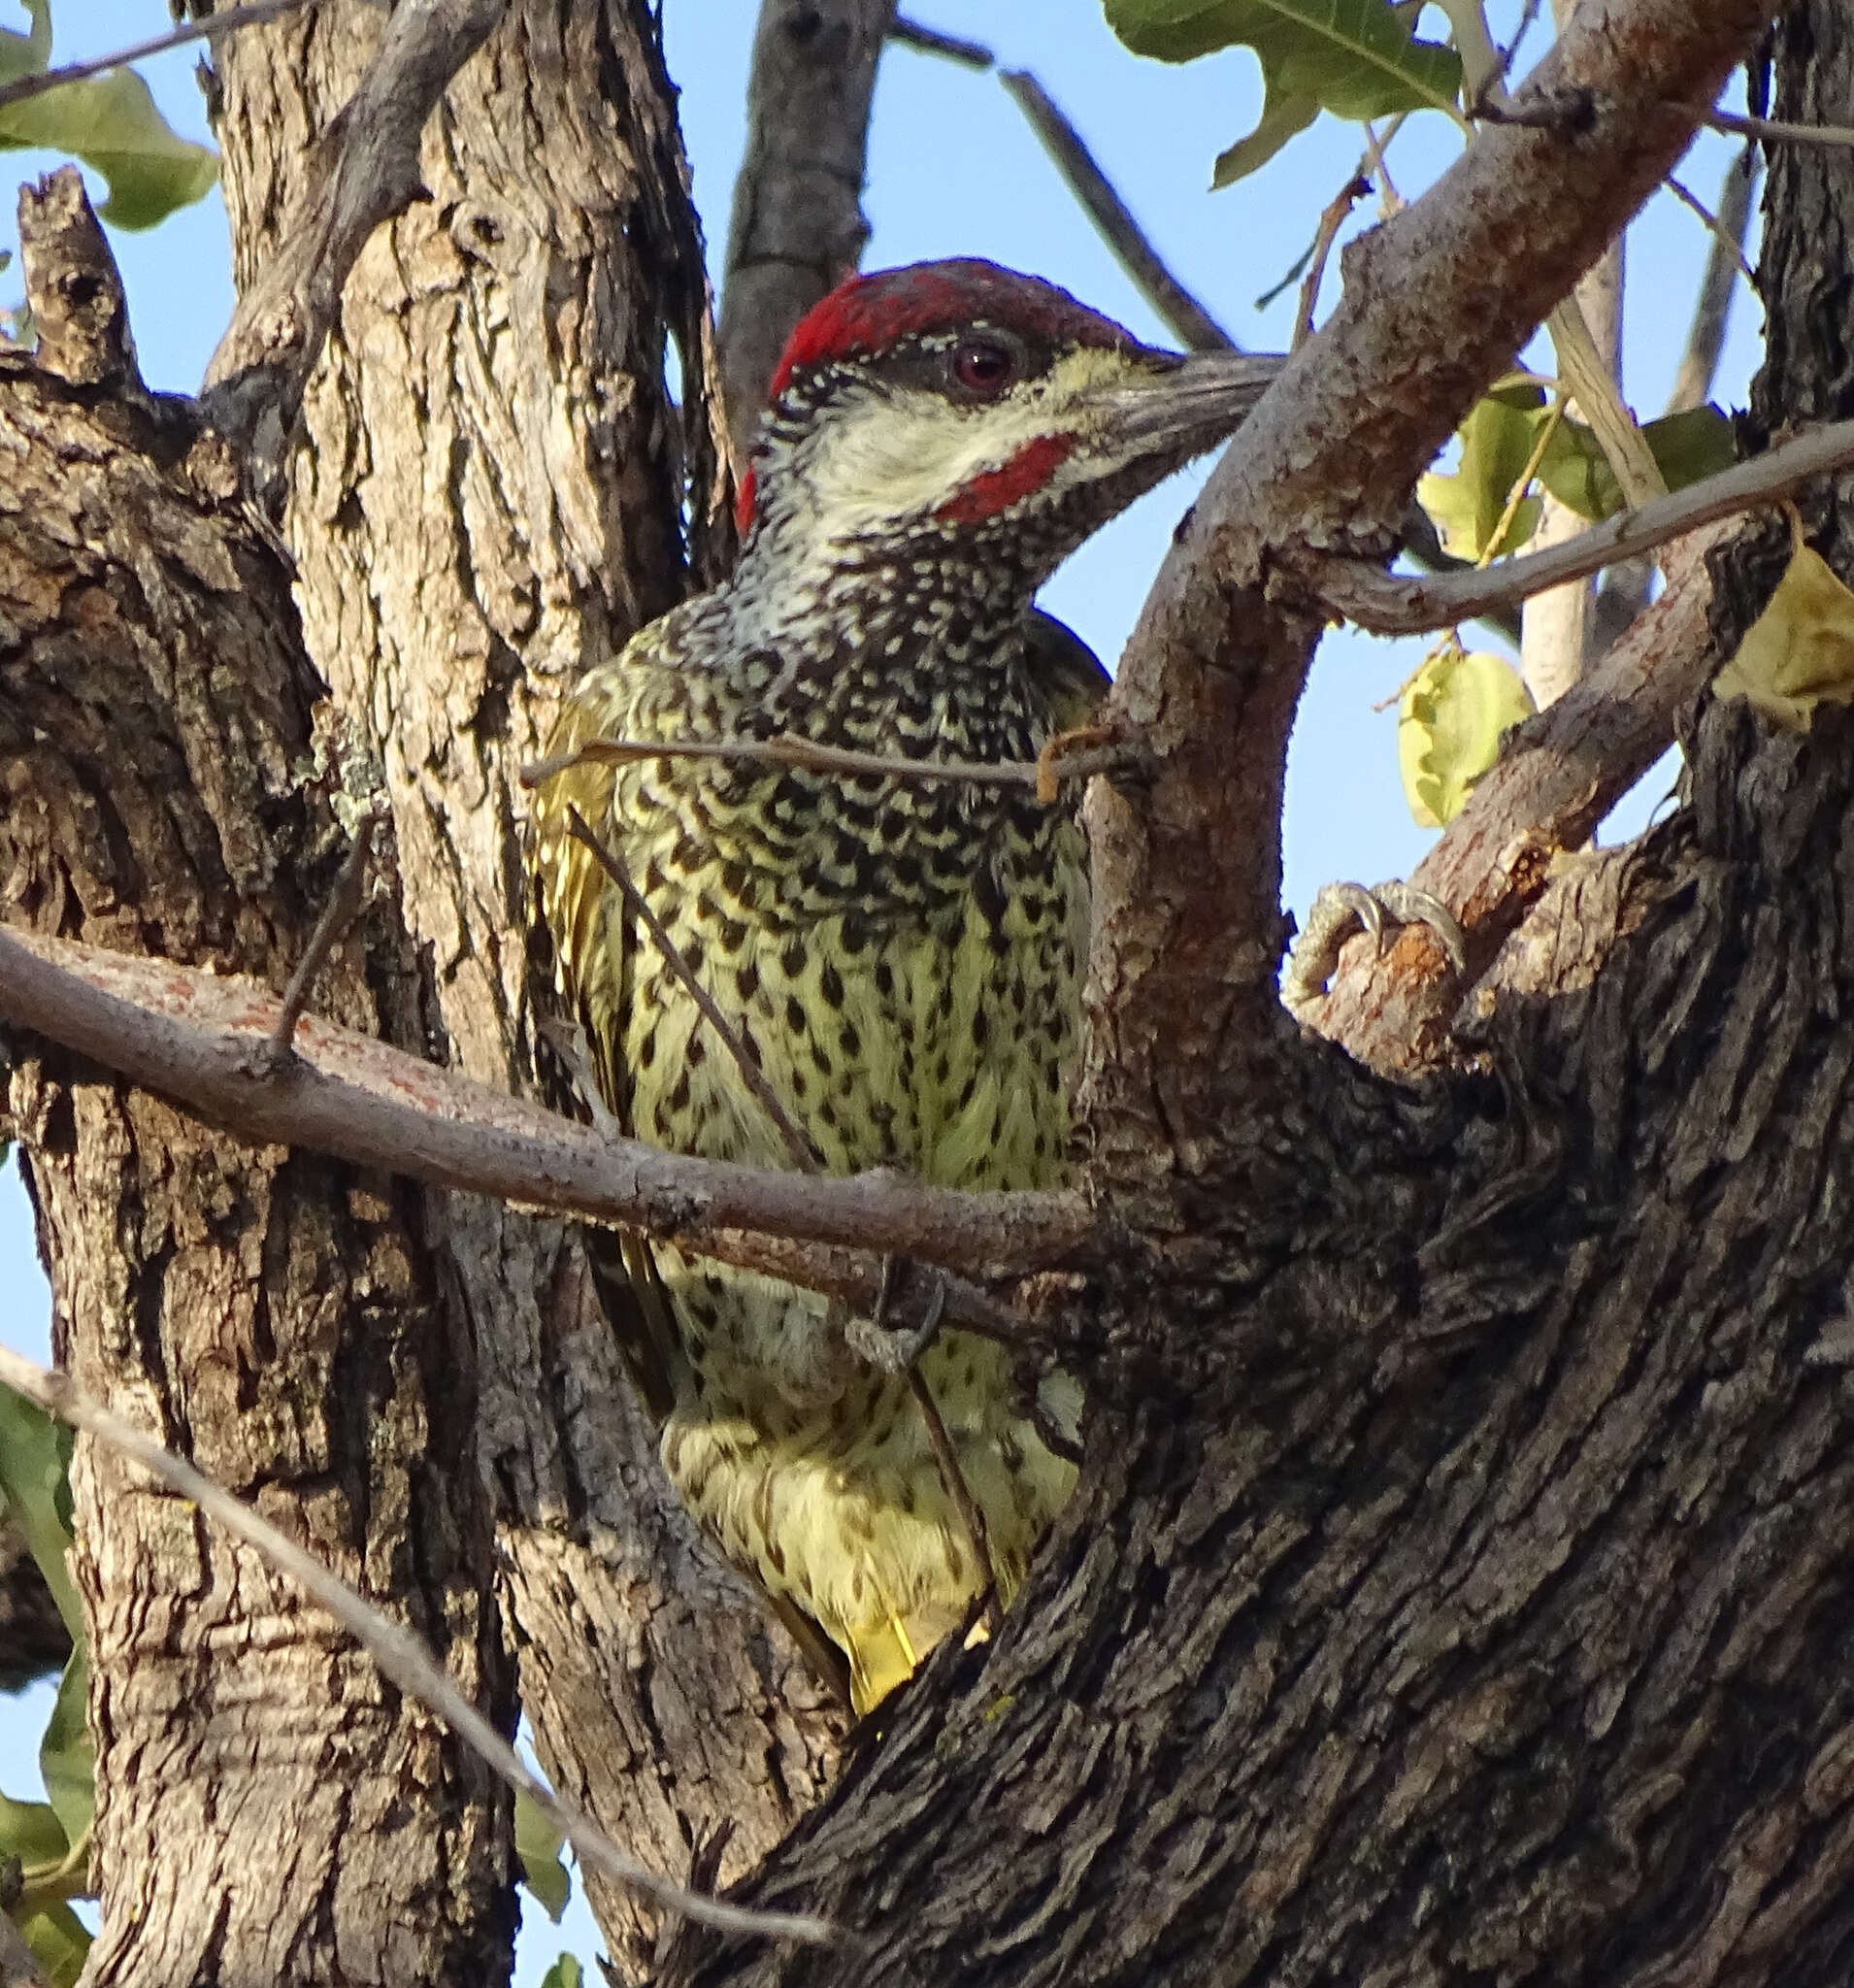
1450,720
1799,651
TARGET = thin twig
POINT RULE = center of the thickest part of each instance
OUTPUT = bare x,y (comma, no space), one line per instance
400,1654
799,1145
1731,244
1389,201
1557,776
1706,338
954,1478
1397,604
1777,128
1528,14
338,914
1190,323
1332,219
254,13
783,749
931,42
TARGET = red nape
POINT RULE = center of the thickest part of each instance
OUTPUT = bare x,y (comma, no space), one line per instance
996,490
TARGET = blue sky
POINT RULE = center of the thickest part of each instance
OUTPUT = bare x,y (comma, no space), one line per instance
954,171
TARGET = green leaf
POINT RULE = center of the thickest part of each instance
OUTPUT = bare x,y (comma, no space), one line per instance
537,1846
67,1760
1357,58
1282,118
566,1972
1497,440
35,1455
1685,447
59,1943
27,54
110,122
1449,722
31,1832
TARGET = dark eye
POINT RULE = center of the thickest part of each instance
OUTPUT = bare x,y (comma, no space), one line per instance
983,366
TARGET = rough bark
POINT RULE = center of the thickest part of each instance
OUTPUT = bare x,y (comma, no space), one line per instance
272,1312
489,501
1459,1593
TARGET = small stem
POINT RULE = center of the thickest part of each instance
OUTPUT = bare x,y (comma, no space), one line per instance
338,914
254,13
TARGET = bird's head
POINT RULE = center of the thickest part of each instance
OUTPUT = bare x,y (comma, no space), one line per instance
958,409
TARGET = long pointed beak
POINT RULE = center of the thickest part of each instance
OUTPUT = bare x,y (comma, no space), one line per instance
1193,403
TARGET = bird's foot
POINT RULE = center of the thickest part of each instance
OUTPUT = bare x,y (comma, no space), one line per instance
889,1346
1338,910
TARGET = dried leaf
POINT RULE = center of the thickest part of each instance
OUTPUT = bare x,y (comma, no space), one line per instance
1799,653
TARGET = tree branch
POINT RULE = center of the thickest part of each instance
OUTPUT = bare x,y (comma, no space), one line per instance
198,1038
798,228
1398,604
73,288
401,1656
254,382
1187,865
1557,776
1725,259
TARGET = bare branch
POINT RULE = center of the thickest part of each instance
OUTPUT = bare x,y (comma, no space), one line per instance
338,914
1189,321
1725,262
1731,244
1555,779
1212,674
929,41
798,228
72,286
1397,604
254,383
189,1035
1332,218
399,1653
253,13
1777,128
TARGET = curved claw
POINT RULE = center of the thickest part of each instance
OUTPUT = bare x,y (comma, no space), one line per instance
1338,910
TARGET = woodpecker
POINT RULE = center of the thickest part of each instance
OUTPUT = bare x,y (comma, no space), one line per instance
902,957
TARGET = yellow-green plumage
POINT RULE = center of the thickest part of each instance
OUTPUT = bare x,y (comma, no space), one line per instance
903,957
903,962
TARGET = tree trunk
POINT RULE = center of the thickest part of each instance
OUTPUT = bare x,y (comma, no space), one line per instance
492,497
274,1313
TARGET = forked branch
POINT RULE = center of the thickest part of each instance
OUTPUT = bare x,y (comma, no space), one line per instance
1211,677
1399,604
